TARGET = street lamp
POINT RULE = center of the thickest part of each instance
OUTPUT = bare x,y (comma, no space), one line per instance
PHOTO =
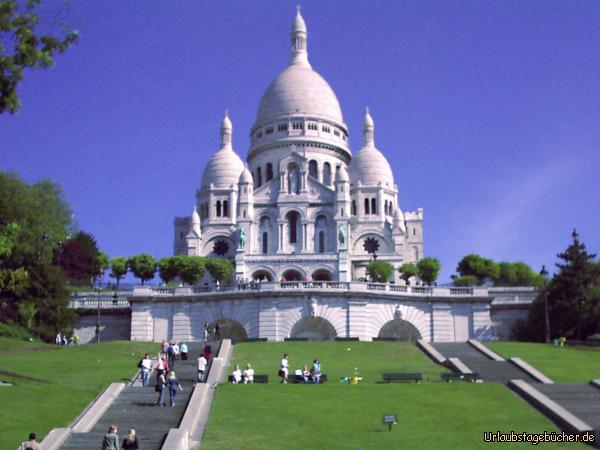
544,275
98,313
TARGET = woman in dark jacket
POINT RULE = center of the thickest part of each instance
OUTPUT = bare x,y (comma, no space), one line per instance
130,442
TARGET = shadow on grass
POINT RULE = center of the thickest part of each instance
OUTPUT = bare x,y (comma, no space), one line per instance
18,376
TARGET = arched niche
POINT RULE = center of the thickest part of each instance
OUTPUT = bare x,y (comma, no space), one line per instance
230,329
399,330
314,328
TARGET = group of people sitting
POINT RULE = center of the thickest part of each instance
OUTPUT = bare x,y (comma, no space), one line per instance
247,376
303,375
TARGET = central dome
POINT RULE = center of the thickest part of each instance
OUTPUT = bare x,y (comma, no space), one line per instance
299,90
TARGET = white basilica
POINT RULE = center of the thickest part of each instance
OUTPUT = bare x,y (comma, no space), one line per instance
303,207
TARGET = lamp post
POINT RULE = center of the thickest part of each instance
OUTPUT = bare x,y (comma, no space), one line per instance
544,275
98,313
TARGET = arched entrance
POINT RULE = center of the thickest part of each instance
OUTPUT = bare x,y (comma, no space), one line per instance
229,329
399,330
314,328
292,275
262,275
322,275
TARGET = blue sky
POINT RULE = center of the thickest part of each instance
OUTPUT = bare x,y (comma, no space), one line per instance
488,112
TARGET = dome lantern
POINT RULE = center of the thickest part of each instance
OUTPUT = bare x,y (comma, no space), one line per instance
299,35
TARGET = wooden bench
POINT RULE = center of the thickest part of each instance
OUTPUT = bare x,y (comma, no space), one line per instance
257,379
453,376
292,379
389,377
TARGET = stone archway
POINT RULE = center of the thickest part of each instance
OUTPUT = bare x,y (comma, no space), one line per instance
322,275
314,328
230,329
292,275
262,275
399,330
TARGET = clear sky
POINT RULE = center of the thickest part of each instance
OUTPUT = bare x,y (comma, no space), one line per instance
488,112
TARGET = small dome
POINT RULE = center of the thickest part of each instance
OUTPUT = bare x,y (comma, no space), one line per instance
246,176
342,175
195,217
225,166
298,90
399,219
370,167
298,24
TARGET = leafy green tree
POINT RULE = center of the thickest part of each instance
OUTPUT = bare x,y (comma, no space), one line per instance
407,271
142,266
429,270
118,268
191,269
27,311
481,268
467,280
27,42
169,268
516,274
11,279
103,263
380,271
43,219
220,269
80,258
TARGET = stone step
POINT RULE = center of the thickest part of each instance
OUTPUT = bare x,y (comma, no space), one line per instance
582,400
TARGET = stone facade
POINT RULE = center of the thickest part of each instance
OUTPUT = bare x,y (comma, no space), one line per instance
302,207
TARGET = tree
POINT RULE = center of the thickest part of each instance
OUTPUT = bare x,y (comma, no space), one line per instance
118,268
103,264
142,266
191,269
481,268
516,274
573,298
43,219
80,258
220,269
467,280
169,268
30,45
407,271
27,311
380,271
429,270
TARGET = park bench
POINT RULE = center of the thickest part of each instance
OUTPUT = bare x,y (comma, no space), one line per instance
346,339
453,376
389,377
295,339
257,379
292,379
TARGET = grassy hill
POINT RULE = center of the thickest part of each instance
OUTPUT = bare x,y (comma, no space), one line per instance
66,380
431,414
561,364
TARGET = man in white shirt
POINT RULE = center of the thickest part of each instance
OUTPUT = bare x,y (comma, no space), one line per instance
283,368
146,367
248,374
201,367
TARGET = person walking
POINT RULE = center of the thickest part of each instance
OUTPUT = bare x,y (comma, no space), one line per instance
161,366
130,442
283,368
205,334
31,444
161,386
145,368
173,383
111,439
202,362
184,351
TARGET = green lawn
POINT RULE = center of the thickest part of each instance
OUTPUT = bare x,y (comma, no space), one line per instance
432,414
338,358
10,345
561,364
74,376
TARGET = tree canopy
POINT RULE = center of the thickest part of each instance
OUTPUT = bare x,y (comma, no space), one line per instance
407,271
220,269
81,259
429,270
28,40
142,266
118,268
191,269
380,271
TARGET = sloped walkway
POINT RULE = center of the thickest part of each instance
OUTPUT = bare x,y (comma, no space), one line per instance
135,407
489,370
582,400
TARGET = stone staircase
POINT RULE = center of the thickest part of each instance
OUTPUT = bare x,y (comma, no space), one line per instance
135,407
489,370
